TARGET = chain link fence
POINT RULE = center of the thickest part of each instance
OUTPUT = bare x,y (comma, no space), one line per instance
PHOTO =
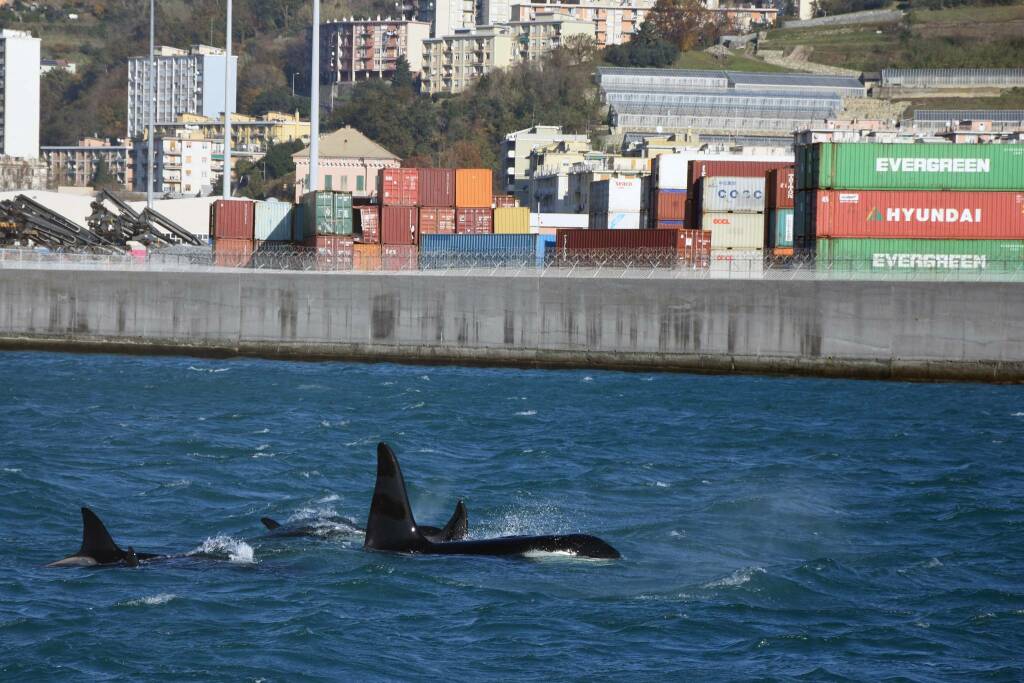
638,263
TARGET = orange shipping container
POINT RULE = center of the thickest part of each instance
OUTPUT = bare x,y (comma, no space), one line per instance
366,257
399,257
232,253
474,188
437,221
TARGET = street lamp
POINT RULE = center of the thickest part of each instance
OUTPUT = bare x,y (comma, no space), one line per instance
314,102
226,182
151,97
293,82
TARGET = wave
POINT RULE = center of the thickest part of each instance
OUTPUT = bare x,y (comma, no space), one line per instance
225,546
737,578
527,413
149,601
207,370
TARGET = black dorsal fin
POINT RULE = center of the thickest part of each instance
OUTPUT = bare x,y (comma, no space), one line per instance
269,523
391,525
458,526
96,540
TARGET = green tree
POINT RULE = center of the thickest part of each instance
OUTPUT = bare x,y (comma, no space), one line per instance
102,178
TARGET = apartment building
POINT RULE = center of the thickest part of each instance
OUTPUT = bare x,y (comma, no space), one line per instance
614,21
19,85
76,165
452,63
359,49
453,15
249,134
180,166
547,31
187,82
490,12
517,147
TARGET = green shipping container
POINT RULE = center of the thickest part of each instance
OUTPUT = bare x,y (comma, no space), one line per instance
912,166
909,255
779,224
326,213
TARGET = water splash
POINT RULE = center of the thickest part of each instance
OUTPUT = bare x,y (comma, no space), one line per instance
149,601
227,547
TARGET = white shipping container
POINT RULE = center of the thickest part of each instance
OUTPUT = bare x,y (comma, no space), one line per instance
738,263
732,194
615,220
559,220
616,195
735,230
672,170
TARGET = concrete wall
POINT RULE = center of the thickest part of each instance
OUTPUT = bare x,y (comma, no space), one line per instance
857,329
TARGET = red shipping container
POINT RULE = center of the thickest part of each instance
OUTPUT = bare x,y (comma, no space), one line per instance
575,239
232,253
399,186
398,225
366,257
780,188
919,214
505,201
730,169
695,247
232,218
437,221
369,223
332,252
476,221
670,205
670,225
399,257
437,187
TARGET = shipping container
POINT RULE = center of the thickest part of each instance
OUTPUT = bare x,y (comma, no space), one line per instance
919,214
670,225
474,221
669,205
474,188
700,168
398,225
398,186
738,263
326,213
616,221
783,251
559,220
515,220
913,255
505,201
780,188
718,194
735,230
298,222
917,166
803,220
670,172
694,248
437,221
273,221
778,226
366,257
437,187
399,257
368,223
508,250
616,195
229,252
231,219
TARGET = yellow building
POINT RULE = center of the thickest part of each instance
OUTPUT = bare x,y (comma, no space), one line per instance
452,63
251,134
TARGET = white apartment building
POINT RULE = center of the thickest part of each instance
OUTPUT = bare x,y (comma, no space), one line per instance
453,15
189,82
359,49
547,31
180,166
490,12
452,63
19,84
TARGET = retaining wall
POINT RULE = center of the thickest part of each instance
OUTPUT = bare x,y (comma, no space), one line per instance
940,331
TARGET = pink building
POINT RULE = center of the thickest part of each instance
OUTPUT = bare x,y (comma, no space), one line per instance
349,162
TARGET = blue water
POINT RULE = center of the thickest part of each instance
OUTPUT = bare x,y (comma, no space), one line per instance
770,528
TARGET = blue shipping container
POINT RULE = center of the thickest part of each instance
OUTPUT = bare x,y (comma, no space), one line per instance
273,221
438,251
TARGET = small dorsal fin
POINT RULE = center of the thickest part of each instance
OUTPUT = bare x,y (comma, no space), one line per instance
391,525
269,523
96,540
458,526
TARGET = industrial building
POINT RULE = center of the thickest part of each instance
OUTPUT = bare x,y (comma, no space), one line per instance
187,82
517,147
19,85
359,49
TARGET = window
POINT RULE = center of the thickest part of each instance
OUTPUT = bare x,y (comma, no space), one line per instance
328,183
360,180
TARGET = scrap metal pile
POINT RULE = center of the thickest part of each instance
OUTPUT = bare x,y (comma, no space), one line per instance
111,226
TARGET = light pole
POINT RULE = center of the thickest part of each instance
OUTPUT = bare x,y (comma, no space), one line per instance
314,102
293,82
226,182
151,97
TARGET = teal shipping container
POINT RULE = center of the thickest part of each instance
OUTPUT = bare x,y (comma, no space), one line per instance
917,255
327,213
779,228
273,221
505,250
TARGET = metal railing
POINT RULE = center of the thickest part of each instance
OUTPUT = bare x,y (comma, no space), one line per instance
599,263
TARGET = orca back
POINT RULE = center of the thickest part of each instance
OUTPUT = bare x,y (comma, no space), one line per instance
96,540
391,525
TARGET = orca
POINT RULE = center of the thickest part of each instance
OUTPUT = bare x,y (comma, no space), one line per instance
98,548
455,530
391,526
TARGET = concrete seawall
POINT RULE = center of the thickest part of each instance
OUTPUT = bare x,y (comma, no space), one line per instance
895,330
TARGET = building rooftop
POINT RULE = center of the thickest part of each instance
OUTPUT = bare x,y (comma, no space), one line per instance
348,142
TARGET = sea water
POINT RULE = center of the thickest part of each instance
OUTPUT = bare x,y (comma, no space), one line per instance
770,528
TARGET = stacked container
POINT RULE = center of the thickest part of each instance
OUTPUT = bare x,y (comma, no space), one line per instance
474,188
368,224
232,226
399,187
668,192
399,225
660,247
272,221
509,250
505,201
615,204
326,213
780,190
738,168
366,256
437,221
733,209
910,207
512,220
474,220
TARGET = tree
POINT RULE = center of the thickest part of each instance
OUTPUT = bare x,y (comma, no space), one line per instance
102,178
687,24
402,78
647,48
